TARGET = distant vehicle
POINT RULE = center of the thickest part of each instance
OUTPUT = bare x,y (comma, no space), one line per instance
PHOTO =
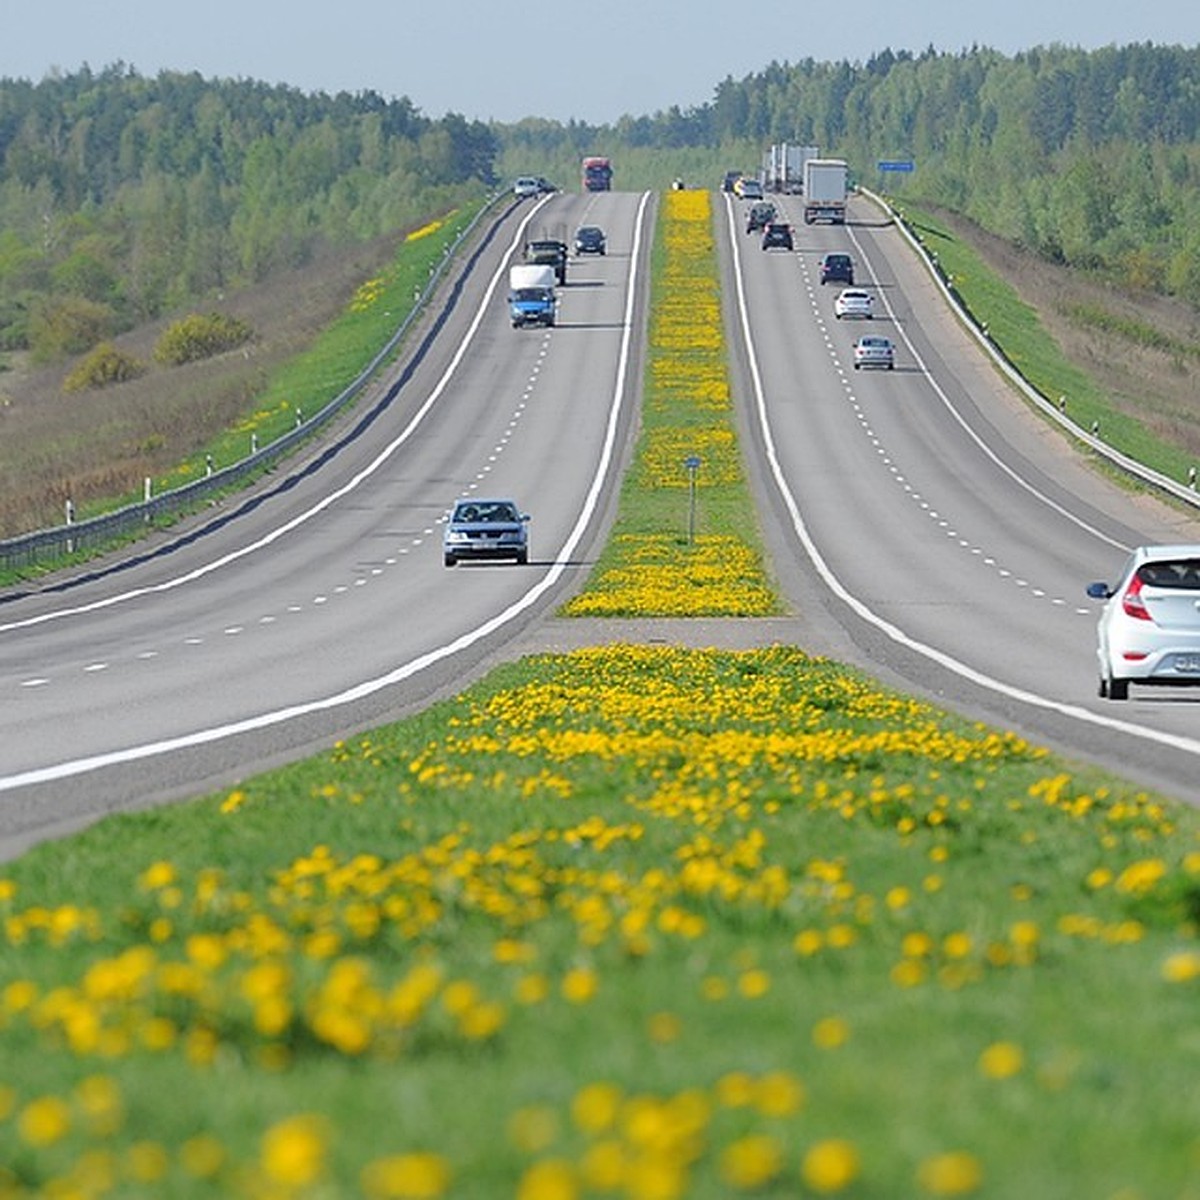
545,187
549,252
874,352
597,175
825,190
783,167
531,297
589,239
525,186
777,233
836,268
729,183
759,216
485,529
1149,631
851,302
748,189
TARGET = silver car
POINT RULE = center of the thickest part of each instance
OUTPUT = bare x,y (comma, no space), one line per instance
485,529
1149,630
872,351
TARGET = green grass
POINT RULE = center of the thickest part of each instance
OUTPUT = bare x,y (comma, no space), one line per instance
686,541
754,900
311,380
1016,329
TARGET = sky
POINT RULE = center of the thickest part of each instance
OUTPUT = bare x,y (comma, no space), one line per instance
594,62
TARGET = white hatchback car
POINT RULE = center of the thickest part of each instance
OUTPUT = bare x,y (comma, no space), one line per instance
854,302
525,186
1149,631
874,352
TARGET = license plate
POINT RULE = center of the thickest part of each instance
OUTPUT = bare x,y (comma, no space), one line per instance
1187,664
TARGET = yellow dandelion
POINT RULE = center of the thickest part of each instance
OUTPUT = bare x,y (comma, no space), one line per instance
1001,1060
44,1121
595,1107
415,1176
751,1162
830,1166
551,1179
293,1151
831,1032
954,1173
1182,967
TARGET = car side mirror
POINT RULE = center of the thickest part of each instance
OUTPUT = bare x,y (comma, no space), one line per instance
1099,591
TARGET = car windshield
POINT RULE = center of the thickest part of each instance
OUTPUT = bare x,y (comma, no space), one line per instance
484,511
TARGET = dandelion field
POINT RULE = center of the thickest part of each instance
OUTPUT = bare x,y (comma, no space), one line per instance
664,558
631,922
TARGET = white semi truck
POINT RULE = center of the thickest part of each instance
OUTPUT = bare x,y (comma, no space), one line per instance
825,190
783,167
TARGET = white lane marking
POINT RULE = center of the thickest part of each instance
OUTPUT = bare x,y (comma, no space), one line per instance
563,560
325,502
1176,741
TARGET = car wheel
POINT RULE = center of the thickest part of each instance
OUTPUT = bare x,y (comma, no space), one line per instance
449,560
891,366
857,366
522,557
1118,689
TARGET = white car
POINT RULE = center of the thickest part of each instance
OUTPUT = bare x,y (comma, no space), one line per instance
1149,630
874,352
525,187
853,302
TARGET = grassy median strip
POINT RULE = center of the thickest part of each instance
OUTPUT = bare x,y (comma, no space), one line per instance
686,538
629,922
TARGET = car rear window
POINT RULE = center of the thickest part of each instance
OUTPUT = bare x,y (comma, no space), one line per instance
1181,573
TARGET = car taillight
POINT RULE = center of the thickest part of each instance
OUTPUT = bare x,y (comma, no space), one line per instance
1132,601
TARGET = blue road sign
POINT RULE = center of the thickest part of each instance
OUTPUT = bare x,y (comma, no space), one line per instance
903,164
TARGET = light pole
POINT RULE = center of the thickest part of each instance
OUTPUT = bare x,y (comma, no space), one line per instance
692,462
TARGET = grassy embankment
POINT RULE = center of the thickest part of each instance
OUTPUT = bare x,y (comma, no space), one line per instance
630,922
302,385
1015,327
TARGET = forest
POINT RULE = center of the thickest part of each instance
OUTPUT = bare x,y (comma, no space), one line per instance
1087,158
124,198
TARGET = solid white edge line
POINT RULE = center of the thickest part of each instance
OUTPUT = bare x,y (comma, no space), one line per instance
406,670
897,635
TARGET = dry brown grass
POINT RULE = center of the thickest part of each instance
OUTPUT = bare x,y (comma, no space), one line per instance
96,445
93,446
1159,386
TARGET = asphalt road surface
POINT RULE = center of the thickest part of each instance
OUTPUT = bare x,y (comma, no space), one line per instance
921,522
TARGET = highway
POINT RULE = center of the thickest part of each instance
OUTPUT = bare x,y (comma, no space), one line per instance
318,604
922,524
925,523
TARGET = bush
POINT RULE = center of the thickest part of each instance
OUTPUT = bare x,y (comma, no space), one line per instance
200,336
68,325
105,365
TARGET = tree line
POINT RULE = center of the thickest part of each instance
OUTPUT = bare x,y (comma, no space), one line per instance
123,196
1088,158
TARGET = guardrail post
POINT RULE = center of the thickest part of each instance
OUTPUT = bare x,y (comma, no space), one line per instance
1192,478
69,509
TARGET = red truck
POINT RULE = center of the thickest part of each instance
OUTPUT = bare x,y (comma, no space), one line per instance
597,175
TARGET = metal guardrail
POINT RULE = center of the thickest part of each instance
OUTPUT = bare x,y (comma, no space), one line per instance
1184,491
61,540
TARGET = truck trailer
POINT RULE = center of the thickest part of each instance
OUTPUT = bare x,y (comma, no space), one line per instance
825,190
783,167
